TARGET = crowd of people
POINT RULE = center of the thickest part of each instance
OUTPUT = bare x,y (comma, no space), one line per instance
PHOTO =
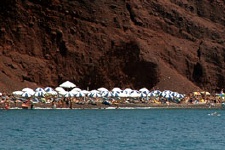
59,101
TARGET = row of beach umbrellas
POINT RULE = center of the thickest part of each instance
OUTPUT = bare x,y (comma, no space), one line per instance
64,90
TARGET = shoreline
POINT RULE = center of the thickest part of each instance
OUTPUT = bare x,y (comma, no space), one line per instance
116,106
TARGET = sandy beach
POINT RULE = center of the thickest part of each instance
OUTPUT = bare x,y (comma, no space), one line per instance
103,99
20,105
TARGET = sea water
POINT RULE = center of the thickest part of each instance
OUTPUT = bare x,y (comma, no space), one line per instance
144,129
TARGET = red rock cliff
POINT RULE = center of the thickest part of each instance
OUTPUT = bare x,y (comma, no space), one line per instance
165,44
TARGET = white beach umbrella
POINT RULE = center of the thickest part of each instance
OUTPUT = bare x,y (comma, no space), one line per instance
144,90
135,94
116,89
67,84
52,93
62,93
76,89
102,89
60,89
28,90
123,94
17,93
94,91
85,92
74,92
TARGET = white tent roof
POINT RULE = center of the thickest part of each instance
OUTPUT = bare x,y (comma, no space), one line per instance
67,84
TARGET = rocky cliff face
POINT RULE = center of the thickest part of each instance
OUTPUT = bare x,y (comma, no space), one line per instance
165,44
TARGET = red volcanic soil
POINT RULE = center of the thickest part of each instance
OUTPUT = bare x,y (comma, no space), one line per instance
163,44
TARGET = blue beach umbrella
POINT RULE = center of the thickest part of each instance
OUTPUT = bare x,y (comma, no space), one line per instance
79,94
128,91
144,90
26,95
167,92
69,94
180,96
151,94
116,94
107,94
143,95
174,94
39,89
48,89
157,92
94,95
39,94
168,96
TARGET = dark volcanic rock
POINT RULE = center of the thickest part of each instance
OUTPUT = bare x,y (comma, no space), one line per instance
165,44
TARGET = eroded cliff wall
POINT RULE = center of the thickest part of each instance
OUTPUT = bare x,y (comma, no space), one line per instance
165,44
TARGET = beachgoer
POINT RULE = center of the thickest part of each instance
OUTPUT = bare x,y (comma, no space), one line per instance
53,104
168,103
60,103
67,103
190,100
71,103
6,106
31,105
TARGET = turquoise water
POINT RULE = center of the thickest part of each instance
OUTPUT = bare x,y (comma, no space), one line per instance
112,129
